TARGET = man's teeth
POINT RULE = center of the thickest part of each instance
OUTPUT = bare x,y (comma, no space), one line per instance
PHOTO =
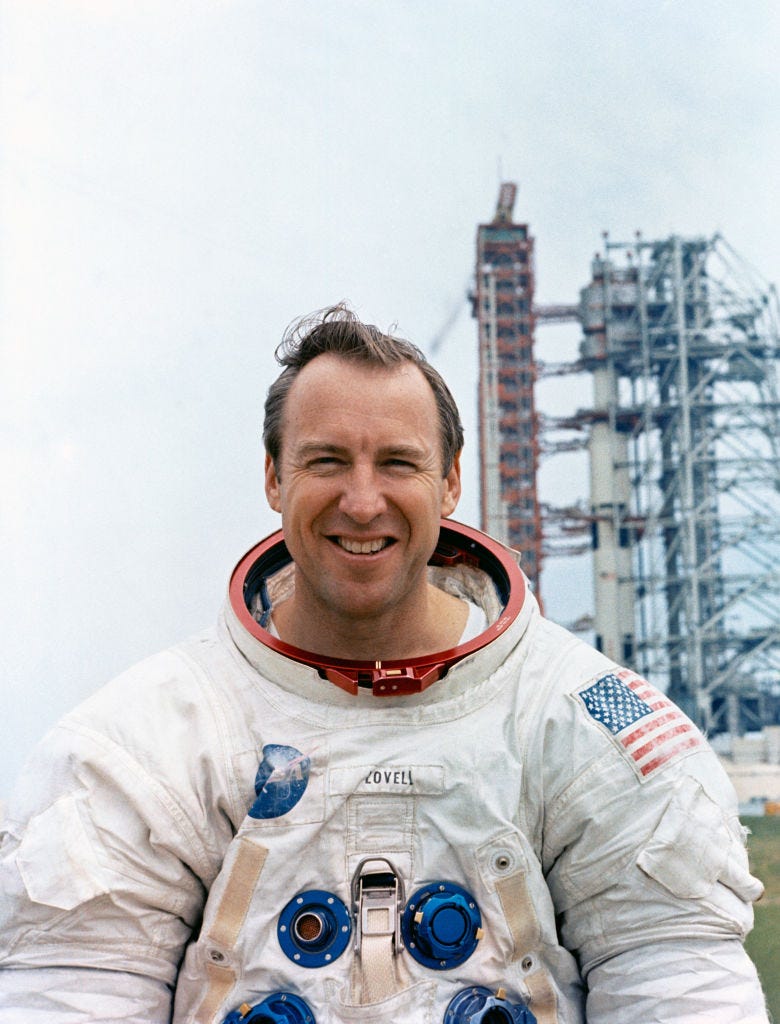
362,547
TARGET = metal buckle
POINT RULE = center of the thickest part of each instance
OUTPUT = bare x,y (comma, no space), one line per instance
377,898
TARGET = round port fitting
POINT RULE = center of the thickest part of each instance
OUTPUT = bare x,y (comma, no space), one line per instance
314,928
441,925
478,1005
279,1008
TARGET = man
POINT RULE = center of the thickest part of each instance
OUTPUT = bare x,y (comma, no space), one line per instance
383,790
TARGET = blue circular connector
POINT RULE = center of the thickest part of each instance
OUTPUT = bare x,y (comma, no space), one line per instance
314,928
441,925
478,1005
279,1008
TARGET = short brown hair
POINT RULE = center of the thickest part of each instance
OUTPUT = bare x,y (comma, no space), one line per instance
338,330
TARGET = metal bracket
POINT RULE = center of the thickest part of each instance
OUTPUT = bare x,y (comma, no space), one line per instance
377,901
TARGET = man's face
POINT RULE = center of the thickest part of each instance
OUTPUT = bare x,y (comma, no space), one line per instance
360,488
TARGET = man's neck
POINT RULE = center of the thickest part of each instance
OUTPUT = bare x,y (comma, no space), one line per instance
436,623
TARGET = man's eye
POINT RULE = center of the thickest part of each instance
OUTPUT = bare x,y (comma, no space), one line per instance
400,464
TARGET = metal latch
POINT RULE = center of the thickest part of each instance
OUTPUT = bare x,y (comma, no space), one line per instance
377,899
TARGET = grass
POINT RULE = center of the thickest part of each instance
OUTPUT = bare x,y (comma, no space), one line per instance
763,943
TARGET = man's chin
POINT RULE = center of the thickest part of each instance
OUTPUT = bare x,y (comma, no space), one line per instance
362,605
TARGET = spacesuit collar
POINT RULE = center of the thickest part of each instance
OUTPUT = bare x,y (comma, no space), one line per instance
466,562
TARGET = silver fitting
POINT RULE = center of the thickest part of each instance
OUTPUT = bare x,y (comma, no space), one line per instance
377,901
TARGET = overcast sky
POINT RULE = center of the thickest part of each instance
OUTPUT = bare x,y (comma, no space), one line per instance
181,180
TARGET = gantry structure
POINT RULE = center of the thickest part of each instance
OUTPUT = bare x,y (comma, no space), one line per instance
502,302
681,338
682,341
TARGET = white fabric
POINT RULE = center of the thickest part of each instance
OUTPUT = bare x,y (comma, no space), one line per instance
476,623
496,778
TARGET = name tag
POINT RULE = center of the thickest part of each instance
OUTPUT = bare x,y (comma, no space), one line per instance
422,779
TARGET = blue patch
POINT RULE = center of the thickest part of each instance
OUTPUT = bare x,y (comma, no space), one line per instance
281,781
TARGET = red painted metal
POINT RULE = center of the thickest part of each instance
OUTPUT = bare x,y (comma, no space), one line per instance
457,543
505,263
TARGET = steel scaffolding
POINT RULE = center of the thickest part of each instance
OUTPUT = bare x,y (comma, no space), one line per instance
682,340
508,423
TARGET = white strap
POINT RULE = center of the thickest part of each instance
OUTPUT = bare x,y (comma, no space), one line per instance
378,968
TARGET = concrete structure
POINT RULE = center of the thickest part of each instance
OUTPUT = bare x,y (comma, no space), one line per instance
755,777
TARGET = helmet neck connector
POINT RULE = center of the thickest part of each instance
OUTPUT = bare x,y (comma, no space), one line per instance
458,545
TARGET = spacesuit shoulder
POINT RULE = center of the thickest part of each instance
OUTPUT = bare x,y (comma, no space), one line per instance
588,709
628,787
599,736
119,823
163,728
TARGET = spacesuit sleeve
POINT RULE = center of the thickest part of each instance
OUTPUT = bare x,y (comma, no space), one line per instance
647,866
102,875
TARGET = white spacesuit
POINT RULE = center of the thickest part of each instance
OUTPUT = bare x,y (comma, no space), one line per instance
227,832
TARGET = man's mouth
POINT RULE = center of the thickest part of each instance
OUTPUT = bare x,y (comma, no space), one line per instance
363,547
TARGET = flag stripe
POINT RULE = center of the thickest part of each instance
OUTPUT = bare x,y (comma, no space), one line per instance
639,752
648,726
689,744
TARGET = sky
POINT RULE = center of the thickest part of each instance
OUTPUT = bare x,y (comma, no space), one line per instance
179,181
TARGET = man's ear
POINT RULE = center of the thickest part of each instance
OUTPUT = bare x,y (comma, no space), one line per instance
272,485
452,488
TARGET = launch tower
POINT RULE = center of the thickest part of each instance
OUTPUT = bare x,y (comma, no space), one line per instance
508,423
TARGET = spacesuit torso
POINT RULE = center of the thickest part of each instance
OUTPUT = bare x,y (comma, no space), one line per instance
436,790
536,829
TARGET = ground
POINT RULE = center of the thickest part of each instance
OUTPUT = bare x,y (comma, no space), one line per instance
763,943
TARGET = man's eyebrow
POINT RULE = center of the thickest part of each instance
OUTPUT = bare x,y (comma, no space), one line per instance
318,448
403,451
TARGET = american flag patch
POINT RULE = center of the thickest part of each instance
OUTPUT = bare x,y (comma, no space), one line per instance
647,725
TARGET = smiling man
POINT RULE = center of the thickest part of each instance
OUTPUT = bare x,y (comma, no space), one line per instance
361,484
385,788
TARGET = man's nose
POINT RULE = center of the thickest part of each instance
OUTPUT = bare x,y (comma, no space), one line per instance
363,498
